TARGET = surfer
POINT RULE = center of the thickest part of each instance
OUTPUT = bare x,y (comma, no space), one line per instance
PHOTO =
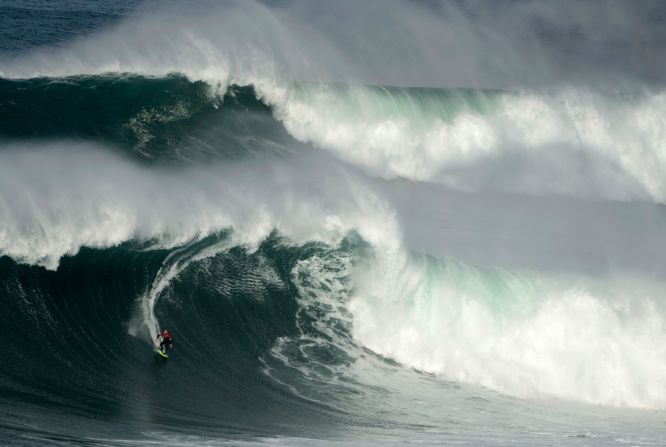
167,340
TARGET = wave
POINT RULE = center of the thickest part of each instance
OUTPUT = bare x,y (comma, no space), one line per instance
44,189
392,42
606,146
58,197
320,321
606,142
78,361
322,247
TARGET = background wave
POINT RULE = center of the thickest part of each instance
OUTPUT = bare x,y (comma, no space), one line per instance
607,145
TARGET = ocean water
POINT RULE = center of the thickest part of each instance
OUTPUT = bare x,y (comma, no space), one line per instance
377,223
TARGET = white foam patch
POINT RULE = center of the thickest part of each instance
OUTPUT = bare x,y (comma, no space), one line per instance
517,335
572,142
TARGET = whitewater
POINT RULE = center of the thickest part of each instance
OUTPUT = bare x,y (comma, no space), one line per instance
377,223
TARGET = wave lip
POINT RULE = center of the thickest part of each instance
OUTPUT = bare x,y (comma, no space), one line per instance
59,198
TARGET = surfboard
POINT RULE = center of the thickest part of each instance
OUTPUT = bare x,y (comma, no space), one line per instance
162,353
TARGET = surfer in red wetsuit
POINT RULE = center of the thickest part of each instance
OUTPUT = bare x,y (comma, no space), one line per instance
167,340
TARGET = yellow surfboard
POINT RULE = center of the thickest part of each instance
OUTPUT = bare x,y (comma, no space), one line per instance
162,353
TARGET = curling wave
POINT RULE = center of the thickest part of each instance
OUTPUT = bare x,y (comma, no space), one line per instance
332,255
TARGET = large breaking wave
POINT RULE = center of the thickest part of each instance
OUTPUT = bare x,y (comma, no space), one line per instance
317,245
441,316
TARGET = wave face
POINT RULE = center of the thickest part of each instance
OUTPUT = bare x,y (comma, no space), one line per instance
340,261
